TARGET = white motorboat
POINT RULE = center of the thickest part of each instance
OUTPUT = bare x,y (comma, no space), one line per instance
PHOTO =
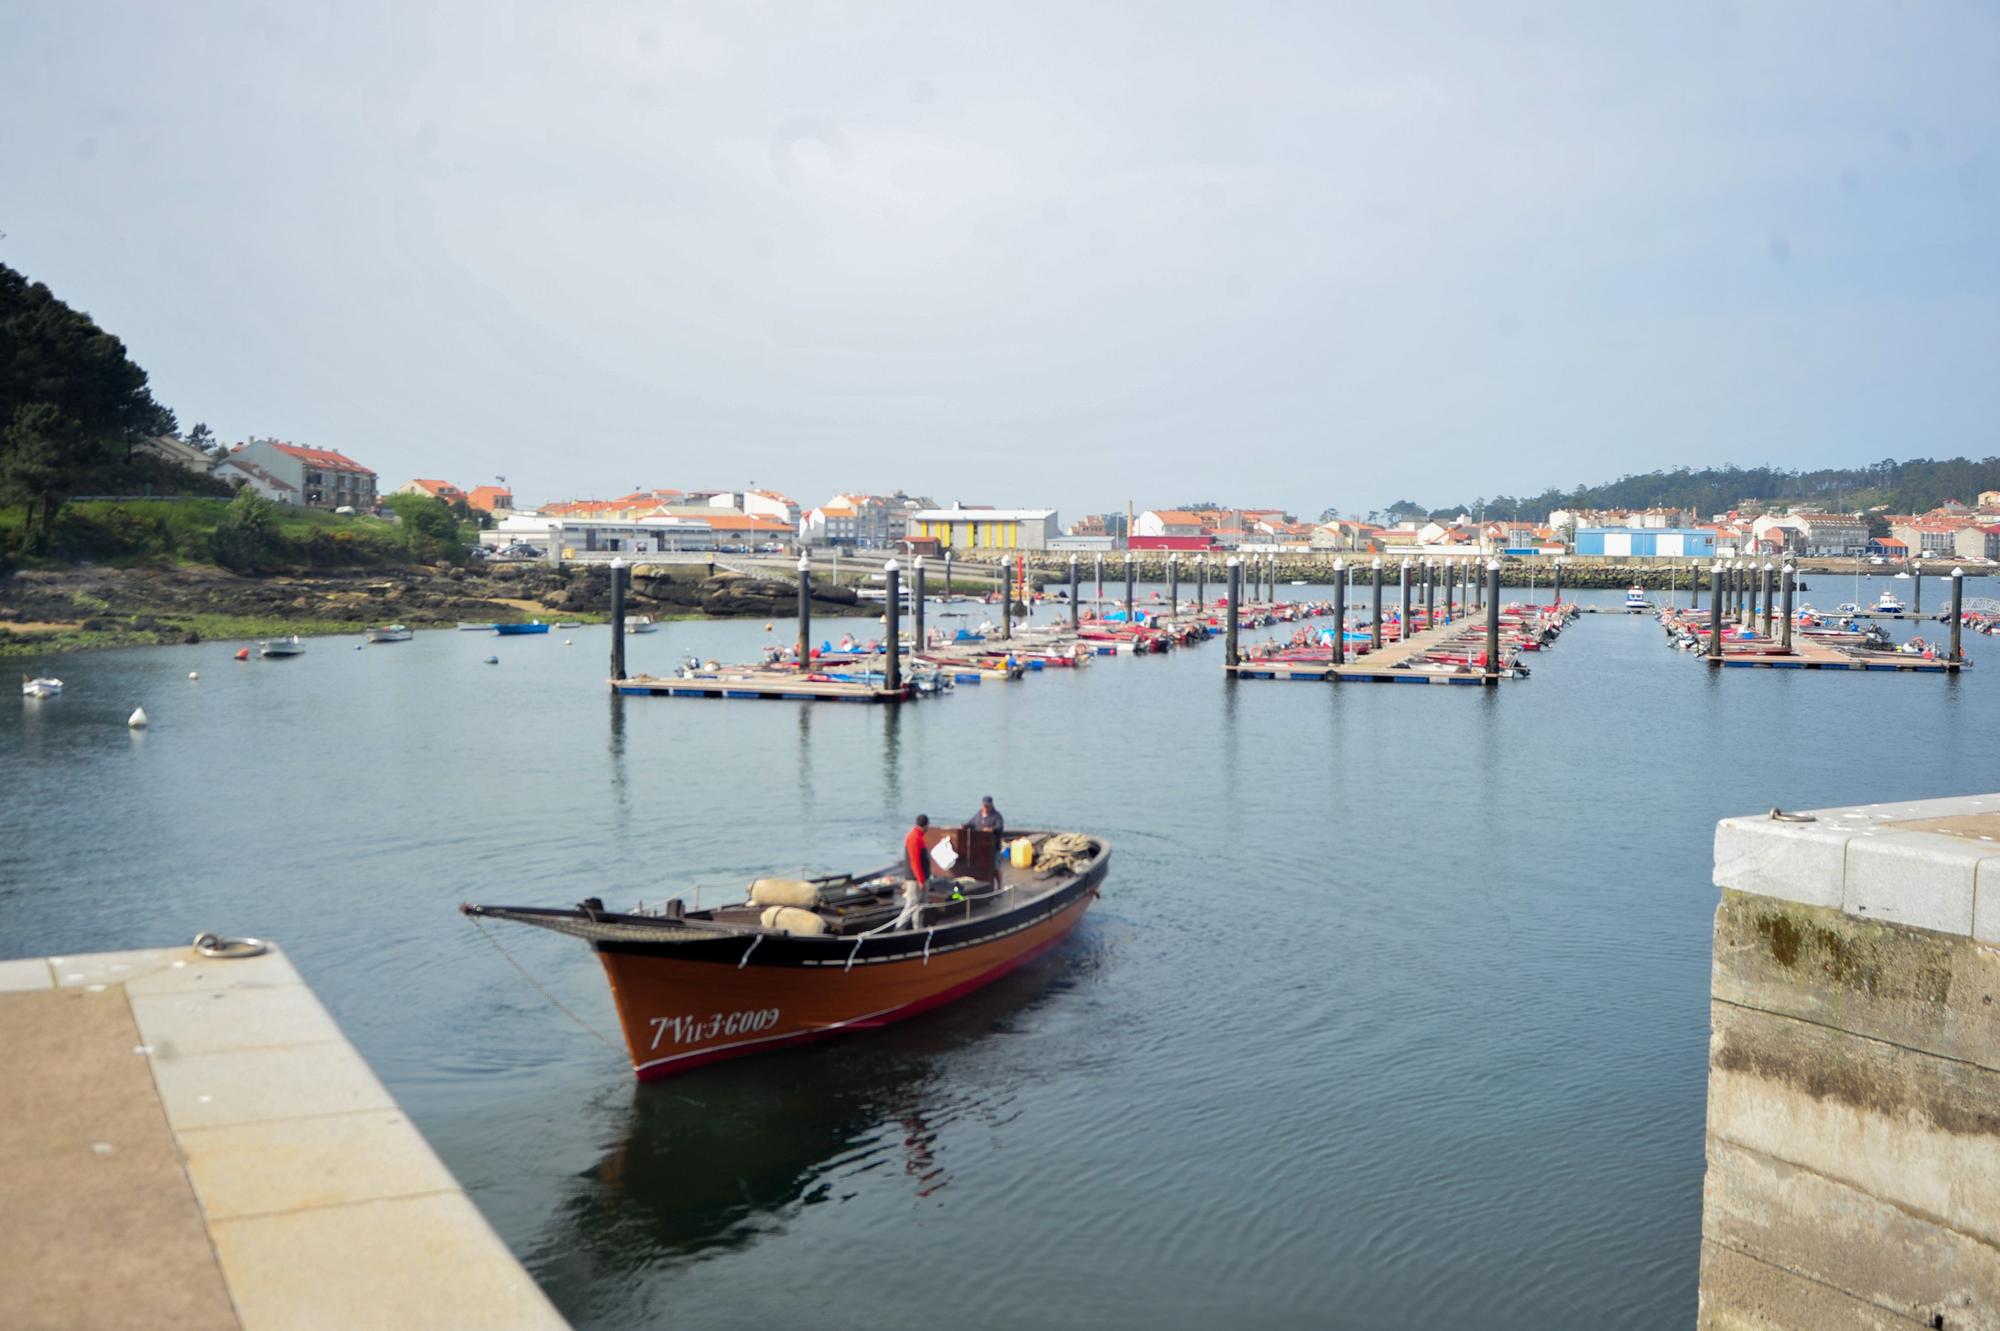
1635,600
1888,603
466,626
641,624
43,687
389,633
281,646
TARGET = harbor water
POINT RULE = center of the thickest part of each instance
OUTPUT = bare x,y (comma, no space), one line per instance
1394,1011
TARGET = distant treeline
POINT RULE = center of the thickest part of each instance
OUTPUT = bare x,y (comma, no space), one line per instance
1899,487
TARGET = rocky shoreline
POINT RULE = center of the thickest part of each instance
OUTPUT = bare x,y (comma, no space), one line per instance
53,610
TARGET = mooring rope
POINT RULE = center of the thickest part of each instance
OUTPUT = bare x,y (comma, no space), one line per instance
582,1025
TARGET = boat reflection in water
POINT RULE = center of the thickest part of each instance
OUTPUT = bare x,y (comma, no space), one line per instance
717,1164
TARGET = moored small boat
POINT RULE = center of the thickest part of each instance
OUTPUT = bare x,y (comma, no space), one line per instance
281,646
517,630
641,624
467,626
43,686
389,633
802,958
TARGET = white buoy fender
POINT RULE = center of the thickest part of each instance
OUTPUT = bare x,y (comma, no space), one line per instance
138,719
194,674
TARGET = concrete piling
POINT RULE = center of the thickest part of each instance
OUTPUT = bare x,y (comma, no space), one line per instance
1173,584
1917,587
892,667
947,575
1006,603
1694,586
917,602
1128,589
1200,583
1430,594
1339,612
805,611
618,575
1100,584
1229,656
1715,614
1075,591
1787,584
1957,614
1764,578
1492,621
1375,633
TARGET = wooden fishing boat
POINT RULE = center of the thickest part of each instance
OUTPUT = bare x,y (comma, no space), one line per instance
798,959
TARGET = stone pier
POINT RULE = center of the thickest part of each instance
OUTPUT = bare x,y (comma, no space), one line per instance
1854,1071
191,1143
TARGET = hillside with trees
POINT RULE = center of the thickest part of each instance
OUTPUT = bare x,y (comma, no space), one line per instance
73,409
1913,486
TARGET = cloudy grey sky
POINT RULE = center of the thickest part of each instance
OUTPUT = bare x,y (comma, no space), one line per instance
1071,253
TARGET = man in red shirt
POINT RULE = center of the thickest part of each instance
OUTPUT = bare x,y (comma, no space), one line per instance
914,851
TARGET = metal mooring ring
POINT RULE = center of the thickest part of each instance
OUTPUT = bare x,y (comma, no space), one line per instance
229,949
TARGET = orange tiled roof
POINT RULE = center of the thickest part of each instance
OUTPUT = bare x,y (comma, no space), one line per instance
323,457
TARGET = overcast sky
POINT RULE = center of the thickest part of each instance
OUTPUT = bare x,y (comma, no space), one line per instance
1295,254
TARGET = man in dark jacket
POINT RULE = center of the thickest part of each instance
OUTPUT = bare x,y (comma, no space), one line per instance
988,818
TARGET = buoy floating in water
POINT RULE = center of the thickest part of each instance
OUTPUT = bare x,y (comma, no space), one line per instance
492,660
194,674
566,642
138,719
243,653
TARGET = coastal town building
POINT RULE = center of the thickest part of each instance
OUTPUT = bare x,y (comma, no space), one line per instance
494,499
189,457
436,489
315,477
966,528
248,475
861,521
1977,542
1646,542
1171,522
1927,536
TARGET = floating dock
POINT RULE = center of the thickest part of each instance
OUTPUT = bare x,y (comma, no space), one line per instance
192,1143
778,685
1391,665
1762,653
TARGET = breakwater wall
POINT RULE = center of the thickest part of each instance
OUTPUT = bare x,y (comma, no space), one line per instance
1051,569
1853,1145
